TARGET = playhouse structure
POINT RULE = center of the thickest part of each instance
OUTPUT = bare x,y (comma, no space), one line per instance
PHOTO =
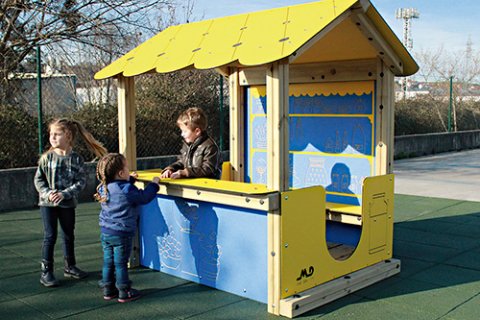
303,214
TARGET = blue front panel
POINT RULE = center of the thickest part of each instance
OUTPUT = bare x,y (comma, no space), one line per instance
224,247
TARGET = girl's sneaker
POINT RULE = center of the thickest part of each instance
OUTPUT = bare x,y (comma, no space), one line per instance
110,293
127,295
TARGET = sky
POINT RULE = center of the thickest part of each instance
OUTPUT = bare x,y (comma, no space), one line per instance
443,23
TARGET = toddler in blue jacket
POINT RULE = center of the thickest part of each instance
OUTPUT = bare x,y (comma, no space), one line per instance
119,199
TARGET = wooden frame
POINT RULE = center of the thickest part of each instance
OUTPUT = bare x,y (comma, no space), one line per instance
356,70
237,131
127,141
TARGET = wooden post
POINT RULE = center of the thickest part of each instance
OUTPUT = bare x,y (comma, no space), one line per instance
277,127
237,126
277,162
127,143
385,115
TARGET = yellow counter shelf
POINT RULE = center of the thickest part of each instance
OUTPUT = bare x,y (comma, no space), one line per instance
246,195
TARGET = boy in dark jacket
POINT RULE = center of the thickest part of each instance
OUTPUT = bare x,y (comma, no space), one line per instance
118,222
199,156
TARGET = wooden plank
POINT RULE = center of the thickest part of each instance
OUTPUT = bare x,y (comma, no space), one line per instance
344,218
337,288
237,125
341,252
385,52
339,71
381,118
344,208
274,258
277,127
126,120
277,162
127,140
265,202
390,89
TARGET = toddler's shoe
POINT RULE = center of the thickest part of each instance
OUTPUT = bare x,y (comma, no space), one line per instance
127,295
110,293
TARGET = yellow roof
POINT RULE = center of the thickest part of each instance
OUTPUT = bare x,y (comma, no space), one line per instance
249,39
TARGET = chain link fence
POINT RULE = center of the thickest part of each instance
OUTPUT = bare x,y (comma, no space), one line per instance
159,100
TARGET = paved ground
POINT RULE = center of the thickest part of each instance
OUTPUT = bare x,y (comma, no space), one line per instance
453,175
437,240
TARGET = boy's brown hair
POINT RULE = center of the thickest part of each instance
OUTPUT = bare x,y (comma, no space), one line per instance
193,118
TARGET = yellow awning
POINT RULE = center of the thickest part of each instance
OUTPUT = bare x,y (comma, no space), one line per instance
249,39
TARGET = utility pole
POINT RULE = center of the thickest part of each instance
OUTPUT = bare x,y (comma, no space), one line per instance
407,14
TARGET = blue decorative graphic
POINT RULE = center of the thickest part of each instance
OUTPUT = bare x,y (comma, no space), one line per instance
331,104
215,245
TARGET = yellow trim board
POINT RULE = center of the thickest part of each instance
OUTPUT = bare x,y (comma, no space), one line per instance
204,183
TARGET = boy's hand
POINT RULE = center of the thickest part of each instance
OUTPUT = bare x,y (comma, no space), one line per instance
166,174
156,180
134,174
179,174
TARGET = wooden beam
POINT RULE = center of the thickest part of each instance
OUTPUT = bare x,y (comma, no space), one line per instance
385,52
237,125
277,127
385,119
264,202
337,288
338,71
380,115
127,143
389,88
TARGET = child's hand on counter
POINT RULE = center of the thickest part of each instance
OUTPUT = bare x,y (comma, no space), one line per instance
179,174
166,174
156,180
134,174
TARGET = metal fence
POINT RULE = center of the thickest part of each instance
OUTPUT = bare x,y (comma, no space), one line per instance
159,101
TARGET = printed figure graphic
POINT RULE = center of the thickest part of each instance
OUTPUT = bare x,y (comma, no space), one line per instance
341,180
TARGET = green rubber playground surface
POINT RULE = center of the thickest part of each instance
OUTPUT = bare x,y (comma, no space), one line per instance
437,240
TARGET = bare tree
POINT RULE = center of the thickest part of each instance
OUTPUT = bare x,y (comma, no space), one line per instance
24,24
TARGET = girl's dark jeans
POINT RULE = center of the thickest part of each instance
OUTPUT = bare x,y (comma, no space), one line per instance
51,216
116,252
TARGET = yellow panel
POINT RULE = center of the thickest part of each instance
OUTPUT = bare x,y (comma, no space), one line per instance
256,46
305,259
148,53
226,186
326,89
226,171
115,67
220,42
253,39
378,205
306,20
302,237
344,42
183,46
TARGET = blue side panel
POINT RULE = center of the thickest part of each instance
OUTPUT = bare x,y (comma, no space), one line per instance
224,247
343,233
